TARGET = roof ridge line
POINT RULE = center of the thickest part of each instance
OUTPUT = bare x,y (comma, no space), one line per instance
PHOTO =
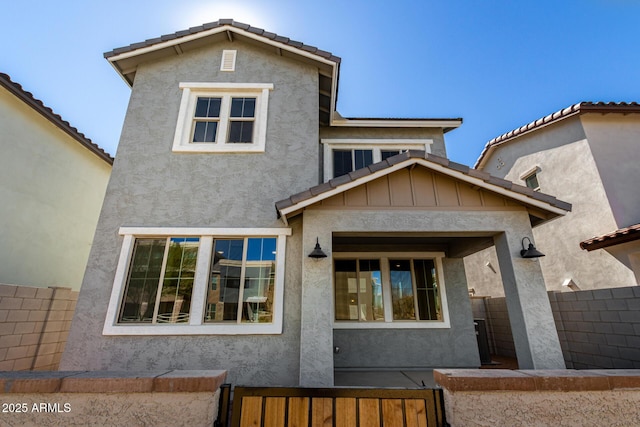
574,109
218,24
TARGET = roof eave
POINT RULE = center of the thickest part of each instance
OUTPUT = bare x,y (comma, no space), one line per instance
55,119
573,110
446,124
116,55
290,207
618,237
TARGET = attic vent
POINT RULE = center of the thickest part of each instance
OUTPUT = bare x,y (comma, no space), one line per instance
228,60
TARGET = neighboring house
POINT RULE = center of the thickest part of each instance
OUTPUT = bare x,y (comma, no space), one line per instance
193,268
52,182
586,154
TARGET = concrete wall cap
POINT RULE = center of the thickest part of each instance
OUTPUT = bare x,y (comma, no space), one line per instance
537,380
111,381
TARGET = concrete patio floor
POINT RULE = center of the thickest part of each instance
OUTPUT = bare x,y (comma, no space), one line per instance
394,379
411,379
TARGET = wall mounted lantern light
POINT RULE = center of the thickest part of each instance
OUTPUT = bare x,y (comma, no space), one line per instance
531,251
317,252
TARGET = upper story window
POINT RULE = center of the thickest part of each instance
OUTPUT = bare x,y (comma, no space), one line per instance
237,113
222,117
180,281
530,178
342,156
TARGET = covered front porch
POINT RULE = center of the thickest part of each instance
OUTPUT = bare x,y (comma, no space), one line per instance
391,297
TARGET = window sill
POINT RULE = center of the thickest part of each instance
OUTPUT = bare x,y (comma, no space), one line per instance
410,324
205,329
218,148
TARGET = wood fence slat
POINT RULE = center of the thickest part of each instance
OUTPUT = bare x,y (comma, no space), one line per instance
439,407
298,412
346,412
415,413
432,409
251,411
369,412
322,412
336,407
392,412
274,411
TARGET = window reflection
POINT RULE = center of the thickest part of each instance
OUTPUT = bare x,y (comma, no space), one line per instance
142,303
255,270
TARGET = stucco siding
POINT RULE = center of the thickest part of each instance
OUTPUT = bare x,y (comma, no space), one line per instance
566,169
502,159
614,140
153,186
569,172
416,348
455,346
51,189
216,189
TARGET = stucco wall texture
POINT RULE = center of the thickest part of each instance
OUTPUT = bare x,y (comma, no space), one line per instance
51,189
416,348
455,346
151,186
576,164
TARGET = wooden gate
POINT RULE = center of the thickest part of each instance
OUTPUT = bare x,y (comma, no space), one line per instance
336,407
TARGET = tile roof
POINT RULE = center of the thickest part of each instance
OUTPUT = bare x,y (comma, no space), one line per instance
416,154
623,235
221,23
28,98
579,108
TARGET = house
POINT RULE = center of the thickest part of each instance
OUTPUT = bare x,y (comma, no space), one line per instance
358,266
52,182
585,154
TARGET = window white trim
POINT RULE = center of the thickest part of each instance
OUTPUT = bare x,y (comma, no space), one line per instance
389,323
528,174
376,145
184,127
196,324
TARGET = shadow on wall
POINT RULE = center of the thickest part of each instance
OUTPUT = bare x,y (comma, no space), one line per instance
34,325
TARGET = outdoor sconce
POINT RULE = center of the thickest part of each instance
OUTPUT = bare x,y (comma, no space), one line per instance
531,251
317,252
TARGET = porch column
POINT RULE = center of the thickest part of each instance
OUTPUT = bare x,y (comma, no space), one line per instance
316,326
534,331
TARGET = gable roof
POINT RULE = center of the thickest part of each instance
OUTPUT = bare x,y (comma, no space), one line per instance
573,110
622,235
126,59
47,113
546,203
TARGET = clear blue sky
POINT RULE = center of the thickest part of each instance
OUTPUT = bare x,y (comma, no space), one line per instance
496,64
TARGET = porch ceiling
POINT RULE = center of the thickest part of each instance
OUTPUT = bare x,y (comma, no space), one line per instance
453,245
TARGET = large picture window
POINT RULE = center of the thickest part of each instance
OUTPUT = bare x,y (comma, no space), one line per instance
389,289
222,117
198,281
242,280
160,281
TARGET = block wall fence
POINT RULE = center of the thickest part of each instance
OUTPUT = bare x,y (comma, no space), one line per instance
34,325
598,329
